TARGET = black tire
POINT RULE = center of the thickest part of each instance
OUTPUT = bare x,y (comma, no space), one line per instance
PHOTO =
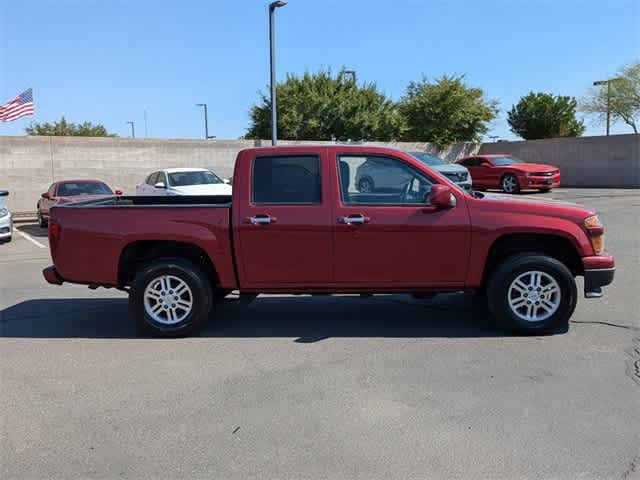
545,190
187,272
366,185
42,223
513,266
509,177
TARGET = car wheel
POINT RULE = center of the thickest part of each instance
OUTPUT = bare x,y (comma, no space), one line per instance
42,223
366,185
510,184
170,297
532,294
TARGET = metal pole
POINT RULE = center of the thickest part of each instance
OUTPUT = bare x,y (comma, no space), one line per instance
206,123
608,103
272,65
146,132
133,130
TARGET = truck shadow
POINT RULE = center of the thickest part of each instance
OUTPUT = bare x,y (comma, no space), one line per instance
304,319
33,229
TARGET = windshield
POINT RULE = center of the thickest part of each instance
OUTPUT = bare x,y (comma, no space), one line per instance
427,159
504,161
183,179
83,188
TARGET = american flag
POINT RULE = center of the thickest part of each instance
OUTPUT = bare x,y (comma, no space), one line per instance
20,106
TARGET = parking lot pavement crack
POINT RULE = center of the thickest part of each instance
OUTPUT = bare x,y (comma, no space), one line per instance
633,364
633,469
608,324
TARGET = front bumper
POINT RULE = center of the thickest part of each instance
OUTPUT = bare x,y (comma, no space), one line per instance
598,272
6,227
539,182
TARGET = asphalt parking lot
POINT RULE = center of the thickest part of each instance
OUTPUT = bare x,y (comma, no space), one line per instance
320,387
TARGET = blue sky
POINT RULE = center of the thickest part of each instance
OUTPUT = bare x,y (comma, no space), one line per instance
107,61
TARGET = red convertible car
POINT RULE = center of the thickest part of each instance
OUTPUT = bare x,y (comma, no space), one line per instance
70,191
507,173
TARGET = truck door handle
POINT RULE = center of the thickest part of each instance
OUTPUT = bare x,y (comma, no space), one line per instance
260,219
358,219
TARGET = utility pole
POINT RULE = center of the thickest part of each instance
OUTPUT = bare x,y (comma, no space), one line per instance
206,121
133,128
272,67
608,83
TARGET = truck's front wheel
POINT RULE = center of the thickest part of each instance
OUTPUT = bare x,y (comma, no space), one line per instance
170,297
532,294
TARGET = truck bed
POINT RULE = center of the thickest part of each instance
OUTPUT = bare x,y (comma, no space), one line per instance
112,226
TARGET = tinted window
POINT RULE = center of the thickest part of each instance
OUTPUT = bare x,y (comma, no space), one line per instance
182,179
70,189
374,180
504,161
472,162
148,180
286,180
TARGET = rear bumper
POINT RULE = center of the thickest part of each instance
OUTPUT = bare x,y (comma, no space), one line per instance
52,276
598,272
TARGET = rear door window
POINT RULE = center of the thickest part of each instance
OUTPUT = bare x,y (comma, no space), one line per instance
286,180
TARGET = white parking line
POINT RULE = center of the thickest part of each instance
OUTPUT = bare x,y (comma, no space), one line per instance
29,237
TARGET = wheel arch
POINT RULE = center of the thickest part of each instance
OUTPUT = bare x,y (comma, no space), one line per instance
137,254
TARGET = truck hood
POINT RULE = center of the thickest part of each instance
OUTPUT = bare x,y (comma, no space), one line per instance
550,207
448,168
211,189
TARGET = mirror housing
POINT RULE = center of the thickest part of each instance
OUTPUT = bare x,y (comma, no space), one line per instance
118,192
226,180
160,185
441,196
45,195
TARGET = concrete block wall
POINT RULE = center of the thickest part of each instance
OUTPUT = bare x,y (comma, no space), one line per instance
28,165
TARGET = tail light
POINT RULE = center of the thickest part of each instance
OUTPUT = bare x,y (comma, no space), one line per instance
595,230
54,231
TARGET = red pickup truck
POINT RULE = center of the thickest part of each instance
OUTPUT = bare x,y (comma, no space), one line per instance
297,223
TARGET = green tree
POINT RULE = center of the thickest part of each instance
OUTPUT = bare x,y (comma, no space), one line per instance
320,106
445,111
543,115
64,128
623,95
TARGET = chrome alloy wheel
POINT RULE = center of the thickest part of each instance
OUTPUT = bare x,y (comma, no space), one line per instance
534,296
509,184
168,299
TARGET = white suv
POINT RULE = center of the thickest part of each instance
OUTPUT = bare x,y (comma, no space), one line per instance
6,222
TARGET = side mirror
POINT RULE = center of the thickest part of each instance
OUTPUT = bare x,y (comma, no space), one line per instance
45,195
118,192
441,196
160,185
226,180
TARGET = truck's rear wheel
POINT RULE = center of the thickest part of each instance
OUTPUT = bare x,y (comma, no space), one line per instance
532,294
170,297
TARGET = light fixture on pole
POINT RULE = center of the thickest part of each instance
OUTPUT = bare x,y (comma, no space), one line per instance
608,84
133,128
206,121
272,66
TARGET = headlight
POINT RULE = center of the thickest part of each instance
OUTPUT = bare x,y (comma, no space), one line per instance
595,230
4,212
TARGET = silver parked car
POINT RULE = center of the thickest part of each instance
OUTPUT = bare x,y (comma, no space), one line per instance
452,171
6,222
374,176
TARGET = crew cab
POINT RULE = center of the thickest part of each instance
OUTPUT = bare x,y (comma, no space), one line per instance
296,222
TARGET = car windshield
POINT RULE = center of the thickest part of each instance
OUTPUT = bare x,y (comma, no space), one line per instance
504,161
198,177
428,159
70,189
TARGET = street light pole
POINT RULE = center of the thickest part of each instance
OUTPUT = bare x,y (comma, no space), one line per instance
206,120
133,129
608,83
272,67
